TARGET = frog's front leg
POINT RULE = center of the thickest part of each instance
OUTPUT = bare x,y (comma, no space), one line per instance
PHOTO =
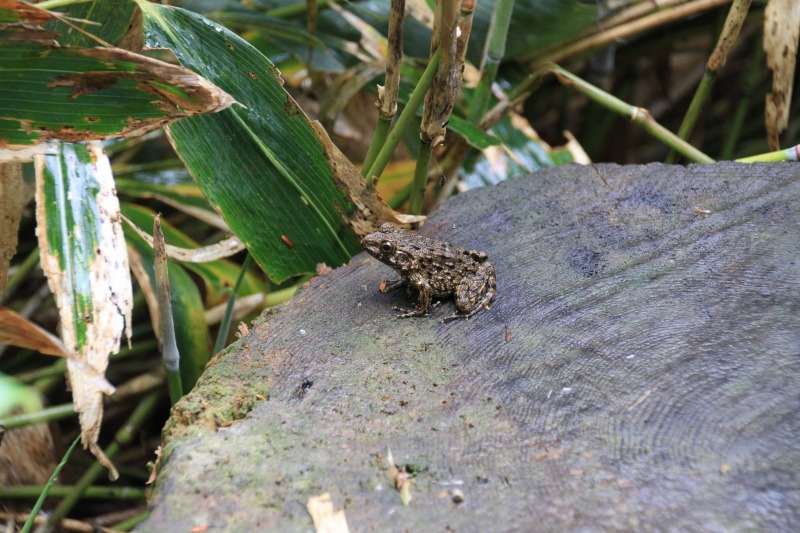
389,285
420,283
475,292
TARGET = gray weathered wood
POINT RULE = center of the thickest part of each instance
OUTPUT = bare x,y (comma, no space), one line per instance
639,370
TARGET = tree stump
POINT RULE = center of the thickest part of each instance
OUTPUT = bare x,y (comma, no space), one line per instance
639,370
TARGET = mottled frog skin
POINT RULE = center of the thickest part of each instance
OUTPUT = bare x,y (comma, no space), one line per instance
434,269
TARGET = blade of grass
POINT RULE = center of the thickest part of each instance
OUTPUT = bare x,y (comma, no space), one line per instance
38,505
124,436
225,325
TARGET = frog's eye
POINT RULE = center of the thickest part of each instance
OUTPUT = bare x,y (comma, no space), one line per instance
387,247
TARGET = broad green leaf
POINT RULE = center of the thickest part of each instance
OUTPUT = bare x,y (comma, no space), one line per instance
113,17
84,257
191,332
218,276
77,94
261,165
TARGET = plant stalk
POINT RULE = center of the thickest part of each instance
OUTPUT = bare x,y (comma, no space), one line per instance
492,56
404,120
420,178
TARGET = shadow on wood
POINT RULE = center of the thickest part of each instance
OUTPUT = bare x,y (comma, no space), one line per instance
638,370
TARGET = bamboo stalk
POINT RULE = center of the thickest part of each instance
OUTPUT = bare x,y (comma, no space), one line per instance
716,62
493,54
404,120
387,94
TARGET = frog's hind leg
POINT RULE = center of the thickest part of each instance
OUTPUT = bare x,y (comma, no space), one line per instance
475,292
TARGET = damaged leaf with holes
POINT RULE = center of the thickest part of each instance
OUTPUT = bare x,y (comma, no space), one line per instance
80,94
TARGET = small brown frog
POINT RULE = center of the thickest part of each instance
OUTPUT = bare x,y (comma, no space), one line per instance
434,269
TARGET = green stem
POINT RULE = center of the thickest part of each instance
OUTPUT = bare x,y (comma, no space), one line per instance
420,178
123,437
404,120
400,197
637,115
51,414
790,154
283,295
130,523
54,4
693,113
22,272
743,103
142,347
43,495
378,140
493,55
225,324
126,169
98,492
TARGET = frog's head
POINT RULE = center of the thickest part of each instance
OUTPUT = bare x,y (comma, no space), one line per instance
386,245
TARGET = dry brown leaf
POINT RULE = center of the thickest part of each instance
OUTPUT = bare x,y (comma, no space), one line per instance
27,13
10,213
18,331
370,211
326,520
781,32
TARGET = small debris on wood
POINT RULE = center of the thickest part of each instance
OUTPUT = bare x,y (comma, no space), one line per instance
458,496
325,518
400,479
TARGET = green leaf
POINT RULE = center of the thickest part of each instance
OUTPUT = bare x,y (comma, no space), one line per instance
475,136
261,165
113,17
77,94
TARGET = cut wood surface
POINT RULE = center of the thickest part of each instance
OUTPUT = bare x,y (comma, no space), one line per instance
639,370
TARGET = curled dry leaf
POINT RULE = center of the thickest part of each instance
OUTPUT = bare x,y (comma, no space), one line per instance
205,254
781,31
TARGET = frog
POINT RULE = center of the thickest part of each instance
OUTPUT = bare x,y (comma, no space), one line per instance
435,270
